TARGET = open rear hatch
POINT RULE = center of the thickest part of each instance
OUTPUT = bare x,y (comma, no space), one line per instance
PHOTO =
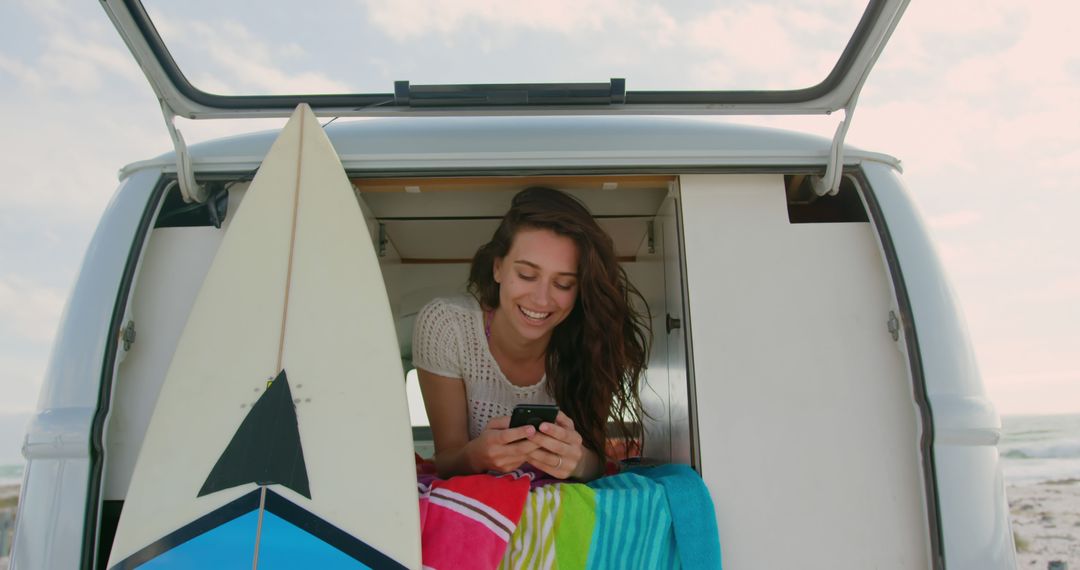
194,83
231,66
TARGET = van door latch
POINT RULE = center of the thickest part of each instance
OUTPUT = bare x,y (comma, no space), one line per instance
673,323
894,326
127,336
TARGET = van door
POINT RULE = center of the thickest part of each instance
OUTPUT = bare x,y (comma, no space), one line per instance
805,408
667,397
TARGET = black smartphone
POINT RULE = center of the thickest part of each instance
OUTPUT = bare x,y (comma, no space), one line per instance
533,415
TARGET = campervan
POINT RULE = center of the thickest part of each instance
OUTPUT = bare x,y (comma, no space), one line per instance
809,359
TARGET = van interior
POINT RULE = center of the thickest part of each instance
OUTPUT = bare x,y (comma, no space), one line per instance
767,422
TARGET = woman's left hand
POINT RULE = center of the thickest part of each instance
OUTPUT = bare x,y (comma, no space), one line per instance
560,449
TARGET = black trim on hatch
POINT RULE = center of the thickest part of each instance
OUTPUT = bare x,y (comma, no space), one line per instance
510,96
97,428
911,338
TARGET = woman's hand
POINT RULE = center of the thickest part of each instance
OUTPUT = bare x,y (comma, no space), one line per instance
559,451
501,448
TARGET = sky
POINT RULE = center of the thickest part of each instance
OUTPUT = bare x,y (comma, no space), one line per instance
977,98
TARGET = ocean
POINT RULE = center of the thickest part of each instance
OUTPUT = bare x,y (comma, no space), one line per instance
11,474
1036,449
1033,449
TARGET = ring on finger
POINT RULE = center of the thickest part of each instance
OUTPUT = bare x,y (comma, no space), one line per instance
559,464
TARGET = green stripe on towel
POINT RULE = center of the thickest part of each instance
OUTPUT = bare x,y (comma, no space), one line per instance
555,529
574,525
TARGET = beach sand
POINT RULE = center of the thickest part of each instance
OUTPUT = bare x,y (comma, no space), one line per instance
1046,523
9,499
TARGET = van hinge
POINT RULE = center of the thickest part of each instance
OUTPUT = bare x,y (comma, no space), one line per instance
652,236
383,240
830,183
185,176
894,326
127,336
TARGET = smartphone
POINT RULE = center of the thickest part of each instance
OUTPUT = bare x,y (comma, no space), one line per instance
533,415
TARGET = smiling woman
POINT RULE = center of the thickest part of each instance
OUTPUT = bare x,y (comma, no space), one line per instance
550,322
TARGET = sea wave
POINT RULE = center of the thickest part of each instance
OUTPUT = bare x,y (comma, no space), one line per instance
1047,450
1031,471
11,474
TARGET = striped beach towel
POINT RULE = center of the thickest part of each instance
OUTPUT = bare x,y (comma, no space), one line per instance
647,518
633,527
465,522
659,517
560,514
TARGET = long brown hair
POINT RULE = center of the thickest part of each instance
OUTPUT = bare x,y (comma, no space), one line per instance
597,355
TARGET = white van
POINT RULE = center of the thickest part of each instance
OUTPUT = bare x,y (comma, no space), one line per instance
809,358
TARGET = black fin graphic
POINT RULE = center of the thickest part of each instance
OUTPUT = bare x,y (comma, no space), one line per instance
266,447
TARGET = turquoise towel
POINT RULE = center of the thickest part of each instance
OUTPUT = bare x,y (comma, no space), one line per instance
696,534
633,525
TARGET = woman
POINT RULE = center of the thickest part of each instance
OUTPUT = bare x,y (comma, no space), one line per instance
550,321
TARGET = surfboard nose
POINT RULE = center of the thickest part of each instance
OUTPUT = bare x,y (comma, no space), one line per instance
295,286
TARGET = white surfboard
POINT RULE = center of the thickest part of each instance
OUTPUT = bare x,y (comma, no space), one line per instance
295,295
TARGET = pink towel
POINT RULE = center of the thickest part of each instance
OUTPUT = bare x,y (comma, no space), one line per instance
466,521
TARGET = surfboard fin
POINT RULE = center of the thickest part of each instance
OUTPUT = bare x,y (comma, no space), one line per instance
265,449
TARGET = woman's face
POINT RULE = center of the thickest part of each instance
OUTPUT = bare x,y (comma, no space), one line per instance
538,282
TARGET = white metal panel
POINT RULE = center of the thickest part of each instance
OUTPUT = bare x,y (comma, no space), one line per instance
55,489
971,492
172,272
666,397
679,404
50,523
459,144
655,394
809,441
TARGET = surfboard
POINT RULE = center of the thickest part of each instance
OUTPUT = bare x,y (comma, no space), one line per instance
281,436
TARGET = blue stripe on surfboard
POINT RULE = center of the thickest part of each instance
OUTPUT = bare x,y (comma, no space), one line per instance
231,545
292,537
286,546
332,535
214,519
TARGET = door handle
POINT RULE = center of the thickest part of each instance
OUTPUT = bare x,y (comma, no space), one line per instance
673,323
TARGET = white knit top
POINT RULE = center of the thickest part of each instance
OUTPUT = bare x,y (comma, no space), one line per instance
449,340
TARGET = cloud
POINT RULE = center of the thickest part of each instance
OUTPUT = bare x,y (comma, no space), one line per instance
978,101
73,53
22,382
224,56
954,219
87,60
23,74
28,310
757,41
1050,392
977,98
407,19
63,164
739,46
